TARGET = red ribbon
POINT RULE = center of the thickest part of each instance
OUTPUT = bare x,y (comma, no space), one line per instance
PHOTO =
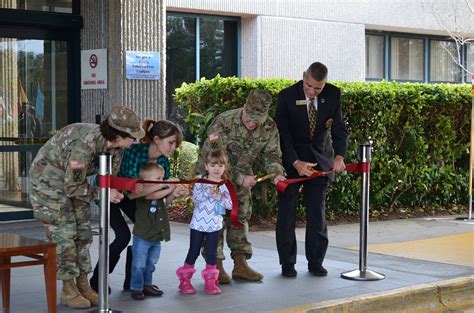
234,213
361,167
123,183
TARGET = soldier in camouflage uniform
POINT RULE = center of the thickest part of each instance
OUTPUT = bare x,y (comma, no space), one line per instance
61,196
246,134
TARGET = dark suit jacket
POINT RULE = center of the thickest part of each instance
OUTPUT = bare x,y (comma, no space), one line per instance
293,125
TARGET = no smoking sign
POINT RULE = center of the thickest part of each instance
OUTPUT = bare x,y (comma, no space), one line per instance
93,60
94,69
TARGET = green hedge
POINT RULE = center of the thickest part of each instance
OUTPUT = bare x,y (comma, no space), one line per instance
420,134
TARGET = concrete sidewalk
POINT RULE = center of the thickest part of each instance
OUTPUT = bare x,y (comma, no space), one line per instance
303,293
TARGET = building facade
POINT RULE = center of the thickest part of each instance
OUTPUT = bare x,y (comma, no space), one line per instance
357,39
41,43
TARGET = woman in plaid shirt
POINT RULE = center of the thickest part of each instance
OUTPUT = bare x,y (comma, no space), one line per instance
161,140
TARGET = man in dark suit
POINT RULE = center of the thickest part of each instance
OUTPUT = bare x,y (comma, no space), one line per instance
312,131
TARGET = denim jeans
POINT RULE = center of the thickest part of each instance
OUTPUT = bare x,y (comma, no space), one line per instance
145,255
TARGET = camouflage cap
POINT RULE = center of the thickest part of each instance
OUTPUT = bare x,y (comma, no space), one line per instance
126,120
257,104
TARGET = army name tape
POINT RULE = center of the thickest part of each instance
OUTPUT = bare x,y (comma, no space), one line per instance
361,167
123,183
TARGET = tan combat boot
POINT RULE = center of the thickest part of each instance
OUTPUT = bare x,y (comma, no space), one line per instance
243,271
71,296
86,290
224,278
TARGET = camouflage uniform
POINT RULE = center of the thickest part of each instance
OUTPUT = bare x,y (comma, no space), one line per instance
60,193
243,147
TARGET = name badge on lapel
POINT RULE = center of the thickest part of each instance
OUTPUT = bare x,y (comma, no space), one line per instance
301,102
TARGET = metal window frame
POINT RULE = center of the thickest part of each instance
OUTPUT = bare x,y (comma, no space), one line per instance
426,55
463,80
384,70
198,18
26,24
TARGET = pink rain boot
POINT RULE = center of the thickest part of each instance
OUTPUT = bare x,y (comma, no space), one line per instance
185,273
210,276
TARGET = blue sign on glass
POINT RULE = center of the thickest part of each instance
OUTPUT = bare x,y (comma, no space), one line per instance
142,65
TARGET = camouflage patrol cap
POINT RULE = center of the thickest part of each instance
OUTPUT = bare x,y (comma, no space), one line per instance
257,104
126,120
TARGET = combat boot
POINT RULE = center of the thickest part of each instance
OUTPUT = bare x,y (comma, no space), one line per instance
224,278
243,271
71,296
86,290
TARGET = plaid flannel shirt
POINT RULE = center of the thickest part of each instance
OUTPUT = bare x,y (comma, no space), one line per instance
135,157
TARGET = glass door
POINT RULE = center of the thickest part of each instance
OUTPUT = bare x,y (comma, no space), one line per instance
33,106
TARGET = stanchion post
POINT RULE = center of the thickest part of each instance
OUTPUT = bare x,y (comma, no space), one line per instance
471,159
363,273
105,169
471,153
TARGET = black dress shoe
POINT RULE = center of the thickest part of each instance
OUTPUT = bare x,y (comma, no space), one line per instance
137,295
288,270
317,270
152,290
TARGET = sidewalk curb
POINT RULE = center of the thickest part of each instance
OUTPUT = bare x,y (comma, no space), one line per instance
442,296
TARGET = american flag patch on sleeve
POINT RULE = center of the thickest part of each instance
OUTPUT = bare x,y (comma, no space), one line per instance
77,164
213,137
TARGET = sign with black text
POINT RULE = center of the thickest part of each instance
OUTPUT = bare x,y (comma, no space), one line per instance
142,65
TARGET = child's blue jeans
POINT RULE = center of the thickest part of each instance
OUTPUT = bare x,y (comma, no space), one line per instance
145,255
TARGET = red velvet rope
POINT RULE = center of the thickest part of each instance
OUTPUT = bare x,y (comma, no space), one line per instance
123,183
104,181
361,167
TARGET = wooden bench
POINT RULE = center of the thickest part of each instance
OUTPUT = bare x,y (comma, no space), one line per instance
42,252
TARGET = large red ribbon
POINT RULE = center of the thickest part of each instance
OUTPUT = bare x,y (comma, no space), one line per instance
234,213
123,183
361,167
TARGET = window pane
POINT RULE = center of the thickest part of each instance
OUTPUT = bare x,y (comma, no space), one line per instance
218,48
406,59
470,62
33,104
374,57
180,56
442,62
58,6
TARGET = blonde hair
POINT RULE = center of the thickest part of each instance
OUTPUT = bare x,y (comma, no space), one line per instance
148,168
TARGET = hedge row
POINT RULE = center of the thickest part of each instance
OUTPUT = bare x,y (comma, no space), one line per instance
420,134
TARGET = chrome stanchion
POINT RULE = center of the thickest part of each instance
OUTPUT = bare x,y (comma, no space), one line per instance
363,273
105,169
469,216
471,161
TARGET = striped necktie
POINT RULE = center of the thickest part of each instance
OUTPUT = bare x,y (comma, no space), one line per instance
312,117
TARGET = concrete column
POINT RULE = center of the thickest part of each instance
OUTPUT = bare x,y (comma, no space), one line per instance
251,60
119,26
9,102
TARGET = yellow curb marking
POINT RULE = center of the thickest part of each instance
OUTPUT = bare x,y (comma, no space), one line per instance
454,249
